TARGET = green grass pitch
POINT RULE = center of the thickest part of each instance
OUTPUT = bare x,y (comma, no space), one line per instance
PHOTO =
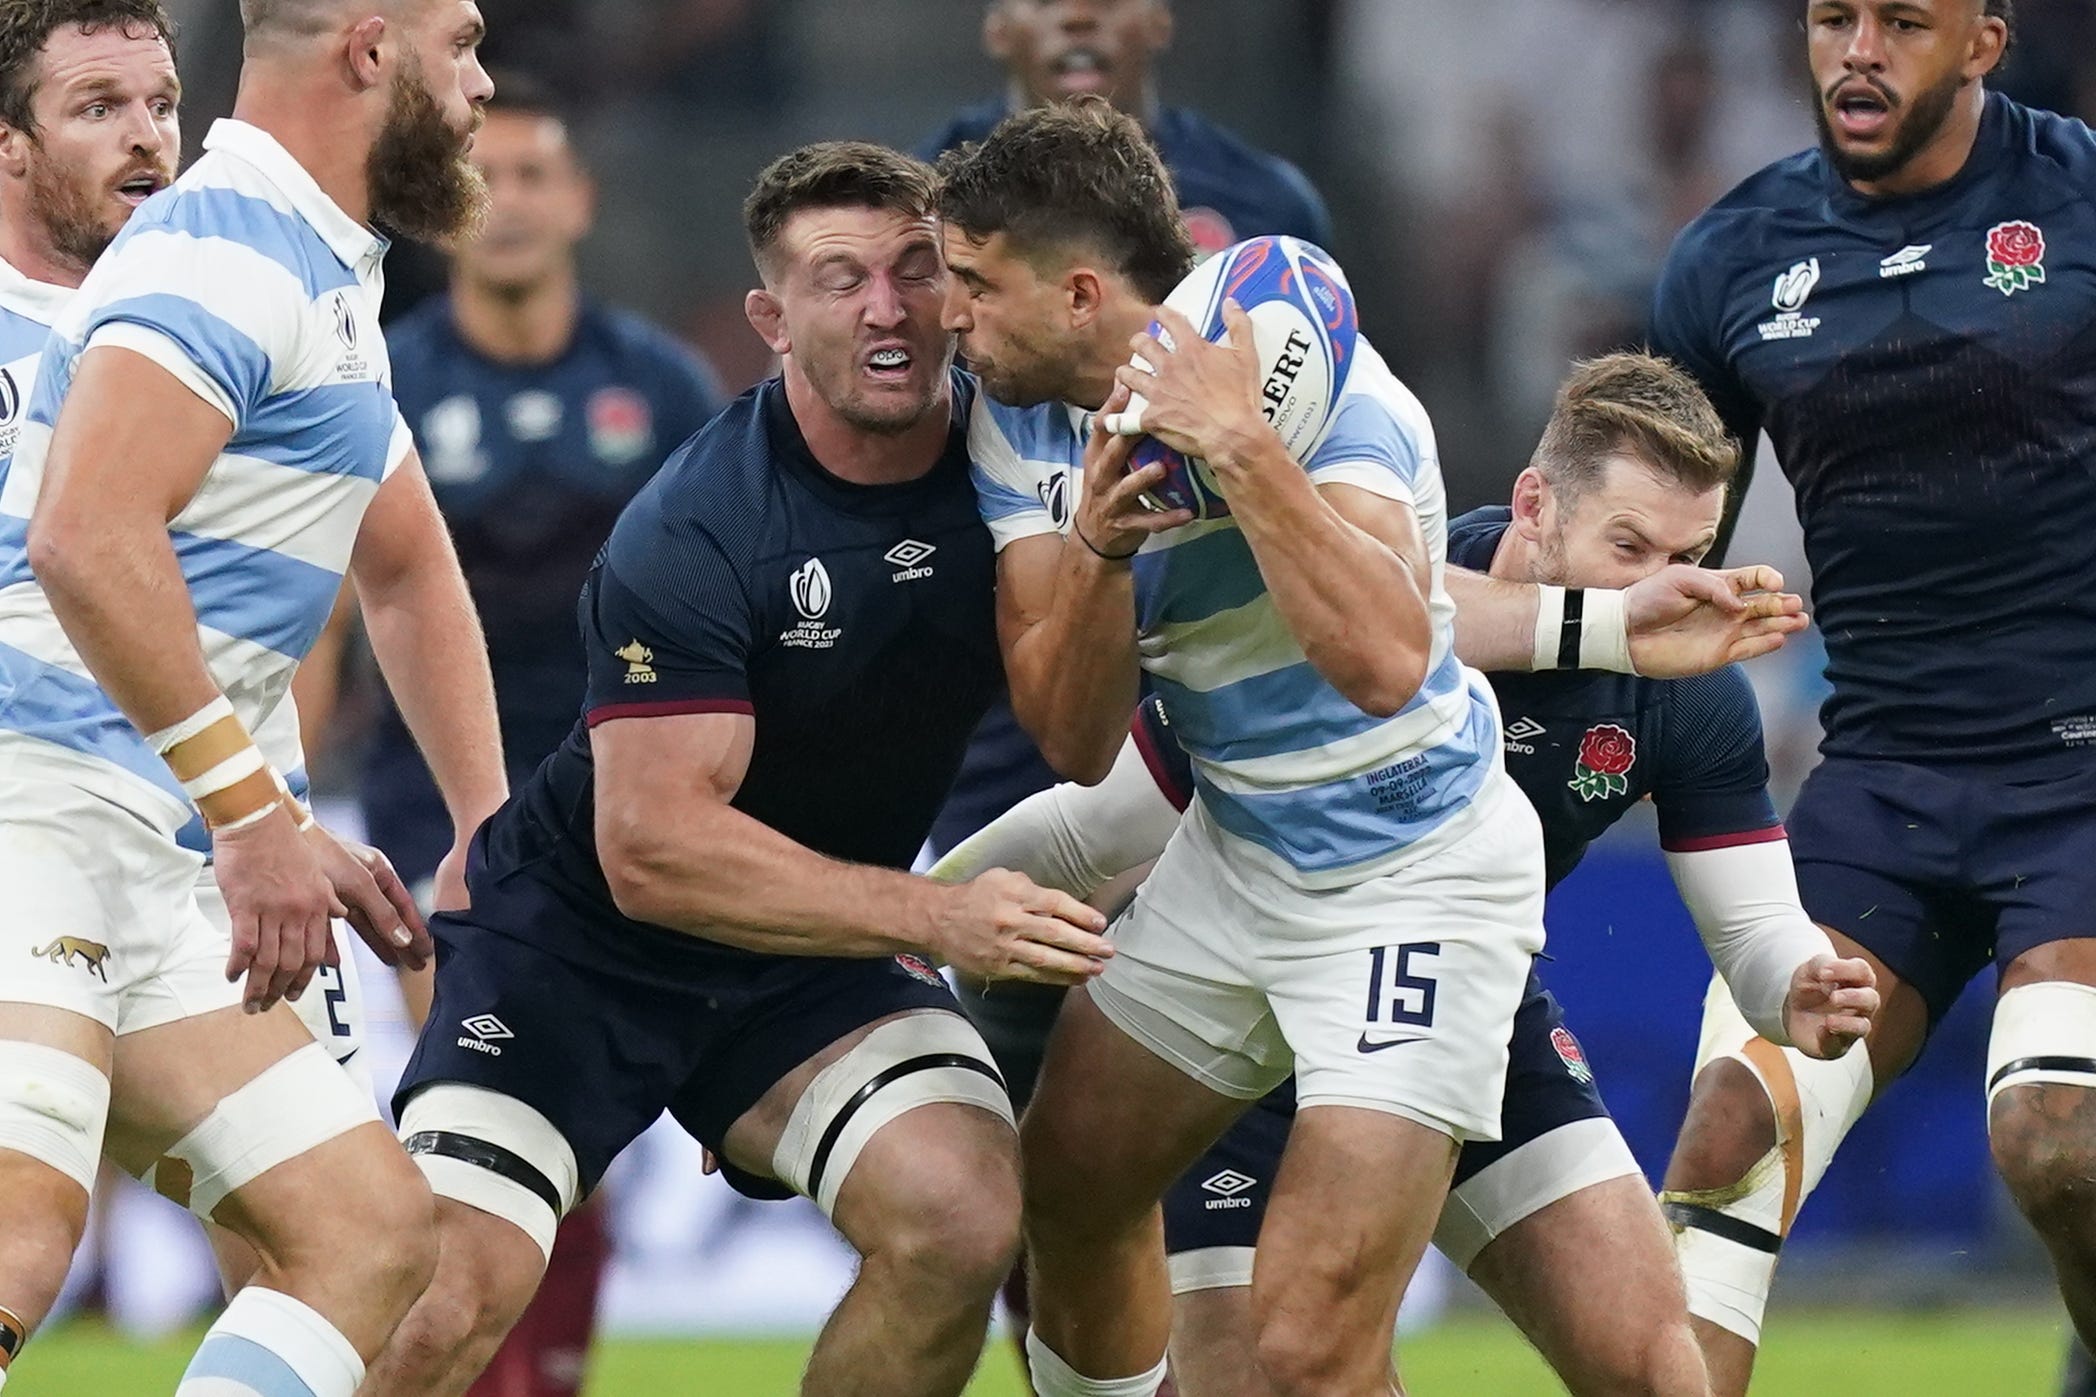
1958,1353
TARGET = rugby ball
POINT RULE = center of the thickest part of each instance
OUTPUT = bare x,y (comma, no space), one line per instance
1304,327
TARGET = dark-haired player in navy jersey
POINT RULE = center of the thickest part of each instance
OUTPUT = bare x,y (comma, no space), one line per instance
697,904
539,414
1909,311
1630,476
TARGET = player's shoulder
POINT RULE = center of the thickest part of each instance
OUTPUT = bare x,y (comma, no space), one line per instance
1707,708
1187,137
970,123
1473,537
2053,148
635,338
1377,414
1042,439
224,213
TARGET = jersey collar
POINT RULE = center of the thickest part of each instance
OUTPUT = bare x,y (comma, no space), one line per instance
32,300
348,239
1983,161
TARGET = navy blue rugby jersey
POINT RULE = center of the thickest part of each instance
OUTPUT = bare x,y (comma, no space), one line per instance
530,464
1926,368
856,623
1585,745
1228,190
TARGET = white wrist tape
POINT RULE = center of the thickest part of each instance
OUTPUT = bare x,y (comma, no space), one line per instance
1604,633
212,712
1550,626
1580,628
249,820
233,770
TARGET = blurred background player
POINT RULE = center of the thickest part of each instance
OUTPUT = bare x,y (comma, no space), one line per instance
1554,1219
1907,311
539,413
189,516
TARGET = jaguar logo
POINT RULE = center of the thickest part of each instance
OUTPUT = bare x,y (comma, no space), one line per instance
62,950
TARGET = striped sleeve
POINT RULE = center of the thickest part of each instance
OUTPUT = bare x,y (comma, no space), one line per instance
1370,447
1015,490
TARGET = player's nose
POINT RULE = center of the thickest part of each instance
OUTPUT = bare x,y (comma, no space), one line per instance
1866,50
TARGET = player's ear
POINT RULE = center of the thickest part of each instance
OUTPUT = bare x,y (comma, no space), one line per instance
997,32
363,54
767,316
1531,498
14,151
1989,42
1084,292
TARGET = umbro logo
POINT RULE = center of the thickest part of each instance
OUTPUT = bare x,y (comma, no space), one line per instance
1908,260
908,555
485,1028
1228,1185
1521,735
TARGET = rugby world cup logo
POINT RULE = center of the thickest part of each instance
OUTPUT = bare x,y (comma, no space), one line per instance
1795,286
809,586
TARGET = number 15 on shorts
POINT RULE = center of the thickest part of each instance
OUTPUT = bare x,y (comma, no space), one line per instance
1399,995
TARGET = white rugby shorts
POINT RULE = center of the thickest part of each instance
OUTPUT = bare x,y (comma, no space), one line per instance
1394,994
332,1008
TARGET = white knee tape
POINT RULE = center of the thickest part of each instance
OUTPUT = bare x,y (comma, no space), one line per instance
494,1153
905,1063
2043,1033
1727,1238
296,1104
53,1107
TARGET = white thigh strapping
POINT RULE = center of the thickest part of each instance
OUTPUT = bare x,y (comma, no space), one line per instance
474,1118
53,1108
903,1064
1555,1165
296,1104
2043,1033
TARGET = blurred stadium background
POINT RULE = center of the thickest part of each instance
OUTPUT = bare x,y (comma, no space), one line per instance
1505,176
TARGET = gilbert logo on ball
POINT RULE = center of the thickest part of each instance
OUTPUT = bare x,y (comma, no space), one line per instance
1304,327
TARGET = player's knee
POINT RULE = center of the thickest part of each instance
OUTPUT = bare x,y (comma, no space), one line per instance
2043,1137
953,1225
1300,1353
1660,1359
1730,1127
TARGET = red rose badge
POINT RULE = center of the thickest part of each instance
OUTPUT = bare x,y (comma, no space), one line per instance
1605,753
2015,257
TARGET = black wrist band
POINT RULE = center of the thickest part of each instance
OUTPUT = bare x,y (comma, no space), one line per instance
1124,557
1569,629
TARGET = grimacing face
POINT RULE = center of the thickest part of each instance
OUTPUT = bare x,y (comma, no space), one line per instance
1886,75
859,292
1011,320
1624,528
107,137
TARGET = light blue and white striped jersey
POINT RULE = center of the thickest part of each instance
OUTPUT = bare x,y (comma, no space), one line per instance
1281,759
258,293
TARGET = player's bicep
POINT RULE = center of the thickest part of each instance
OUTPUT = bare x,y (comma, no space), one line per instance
645,766
130,441
1026,573
1389,521
402,529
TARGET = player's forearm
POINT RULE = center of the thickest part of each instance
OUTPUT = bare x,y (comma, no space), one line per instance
1744,900
118,593
426,638
1073,838
1495,620
712,872
1074,674
1352,604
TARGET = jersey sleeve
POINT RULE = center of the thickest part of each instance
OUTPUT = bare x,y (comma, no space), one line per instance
221,317
1015,489
1370,446
400,445
666,623
1712,787
1688,309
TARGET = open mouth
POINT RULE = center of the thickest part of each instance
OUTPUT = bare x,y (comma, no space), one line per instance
1079,70
139,188
1860,112
890,364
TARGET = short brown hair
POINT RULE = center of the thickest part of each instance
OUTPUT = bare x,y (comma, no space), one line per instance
1640,406
27,25
1072,173
833,175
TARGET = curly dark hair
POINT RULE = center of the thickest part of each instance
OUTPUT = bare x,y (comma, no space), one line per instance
26,25
1077,173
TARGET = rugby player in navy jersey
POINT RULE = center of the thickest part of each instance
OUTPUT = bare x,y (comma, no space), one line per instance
1909,311
698,904
1630,476
539,414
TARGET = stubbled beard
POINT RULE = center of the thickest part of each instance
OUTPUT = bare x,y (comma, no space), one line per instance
79,228
422,184
1923,118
